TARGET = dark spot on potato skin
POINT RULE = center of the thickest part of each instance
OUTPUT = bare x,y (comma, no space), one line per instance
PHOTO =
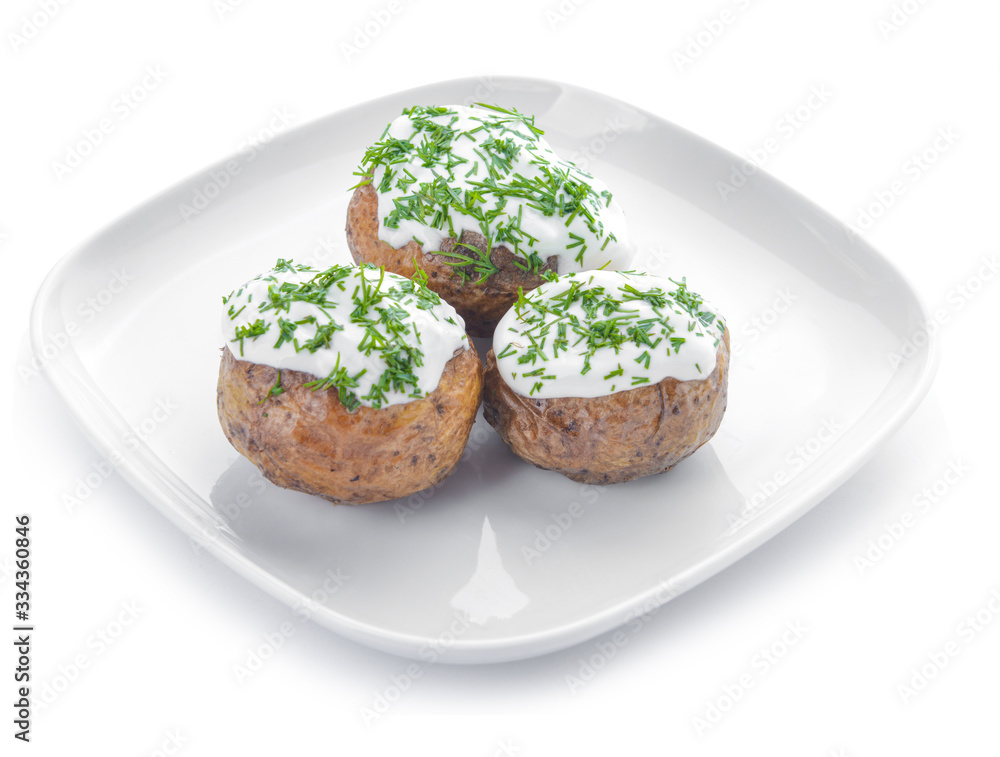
356,478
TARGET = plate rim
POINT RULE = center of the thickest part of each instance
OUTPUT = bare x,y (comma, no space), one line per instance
72,383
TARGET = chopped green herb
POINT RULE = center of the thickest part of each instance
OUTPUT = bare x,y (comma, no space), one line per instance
252,331
579,317
380,306
453,195
274,391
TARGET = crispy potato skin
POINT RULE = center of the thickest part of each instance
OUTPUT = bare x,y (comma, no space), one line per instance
482,305
615,438
306,440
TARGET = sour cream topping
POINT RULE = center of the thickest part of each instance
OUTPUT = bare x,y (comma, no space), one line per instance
596,333
377,338
439,171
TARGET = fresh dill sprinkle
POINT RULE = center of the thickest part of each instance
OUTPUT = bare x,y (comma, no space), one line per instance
274,391
379,309
252,331
479,169
627,324
507,351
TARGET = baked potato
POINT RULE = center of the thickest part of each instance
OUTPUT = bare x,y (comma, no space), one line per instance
373,427
480,303
600,404
478,201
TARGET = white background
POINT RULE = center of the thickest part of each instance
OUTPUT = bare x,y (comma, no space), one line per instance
897,73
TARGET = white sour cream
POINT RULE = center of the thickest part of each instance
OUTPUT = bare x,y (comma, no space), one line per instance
601,332
324,322
503,181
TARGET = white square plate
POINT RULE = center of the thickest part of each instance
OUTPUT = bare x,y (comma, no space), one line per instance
502,561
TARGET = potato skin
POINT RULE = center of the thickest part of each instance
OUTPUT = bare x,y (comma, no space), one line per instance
614,438
481,305
306,440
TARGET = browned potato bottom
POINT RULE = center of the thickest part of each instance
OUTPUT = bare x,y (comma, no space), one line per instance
306,440
614,438
481,305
